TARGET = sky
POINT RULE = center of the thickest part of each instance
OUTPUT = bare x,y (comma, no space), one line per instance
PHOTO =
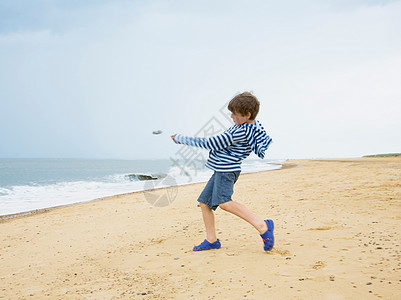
93,79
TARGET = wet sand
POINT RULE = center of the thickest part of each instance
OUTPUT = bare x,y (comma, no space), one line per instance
337,230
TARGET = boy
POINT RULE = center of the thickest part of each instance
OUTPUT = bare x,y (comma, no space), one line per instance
227,151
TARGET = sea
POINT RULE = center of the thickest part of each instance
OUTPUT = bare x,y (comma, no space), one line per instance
31,184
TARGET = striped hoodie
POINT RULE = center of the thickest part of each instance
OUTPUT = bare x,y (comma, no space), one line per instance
230,148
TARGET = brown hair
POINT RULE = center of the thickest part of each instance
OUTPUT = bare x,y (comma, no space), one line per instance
245,103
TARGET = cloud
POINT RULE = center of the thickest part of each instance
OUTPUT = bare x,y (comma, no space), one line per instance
96,79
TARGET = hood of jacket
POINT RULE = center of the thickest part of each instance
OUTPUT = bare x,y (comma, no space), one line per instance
257,137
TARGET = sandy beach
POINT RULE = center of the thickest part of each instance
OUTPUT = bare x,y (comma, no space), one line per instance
337,230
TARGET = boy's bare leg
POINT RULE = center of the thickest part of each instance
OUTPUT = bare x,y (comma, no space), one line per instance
208,220
244,213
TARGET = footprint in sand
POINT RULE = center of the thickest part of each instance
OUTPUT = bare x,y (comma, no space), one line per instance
321,228
319,264
282,252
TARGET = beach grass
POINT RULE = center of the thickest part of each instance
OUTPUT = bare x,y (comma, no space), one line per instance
383,155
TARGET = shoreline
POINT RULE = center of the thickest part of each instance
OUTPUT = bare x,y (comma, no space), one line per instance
286,164
4,218
337,236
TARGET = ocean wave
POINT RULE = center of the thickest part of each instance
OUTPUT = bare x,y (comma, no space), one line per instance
23,198
144,177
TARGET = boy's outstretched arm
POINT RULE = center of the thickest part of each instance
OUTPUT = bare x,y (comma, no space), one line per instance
216,142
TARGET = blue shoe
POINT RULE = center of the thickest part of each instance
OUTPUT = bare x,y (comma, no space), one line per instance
268,237
206,245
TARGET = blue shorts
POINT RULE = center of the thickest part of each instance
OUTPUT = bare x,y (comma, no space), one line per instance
219,189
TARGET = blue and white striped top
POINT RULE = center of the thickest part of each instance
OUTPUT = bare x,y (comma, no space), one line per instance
230,148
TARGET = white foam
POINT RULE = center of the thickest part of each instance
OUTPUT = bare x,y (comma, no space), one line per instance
26,198
23,198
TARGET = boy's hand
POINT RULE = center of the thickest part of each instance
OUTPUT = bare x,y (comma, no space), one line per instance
172,137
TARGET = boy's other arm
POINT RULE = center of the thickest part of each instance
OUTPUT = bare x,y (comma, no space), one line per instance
216,142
